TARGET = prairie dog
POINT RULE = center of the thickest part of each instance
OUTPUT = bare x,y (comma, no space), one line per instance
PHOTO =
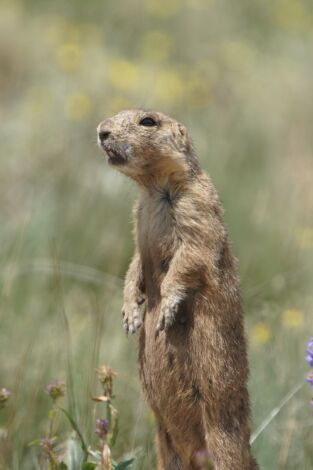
192,348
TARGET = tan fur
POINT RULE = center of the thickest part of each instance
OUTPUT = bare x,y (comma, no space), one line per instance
192,350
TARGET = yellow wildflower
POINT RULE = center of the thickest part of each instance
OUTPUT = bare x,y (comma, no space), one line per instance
163,8
156,45
198,90
291,14
292,318
77,106
123,74
237,54
115,104
261,333
169,87
69,56
304,238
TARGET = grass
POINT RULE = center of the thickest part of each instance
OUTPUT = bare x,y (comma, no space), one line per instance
239,77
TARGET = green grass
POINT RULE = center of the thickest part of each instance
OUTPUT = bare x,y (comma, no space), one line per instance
239,77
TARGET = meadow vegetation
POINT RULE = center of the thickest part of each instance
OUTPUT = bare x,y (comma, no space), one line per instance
239,75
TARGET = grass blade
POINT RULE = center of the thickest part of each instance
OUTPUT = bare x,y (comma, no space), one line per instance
275,412
77,430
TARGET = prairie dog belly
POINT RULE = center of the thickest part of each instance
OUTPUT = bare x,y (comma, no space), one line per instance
166,368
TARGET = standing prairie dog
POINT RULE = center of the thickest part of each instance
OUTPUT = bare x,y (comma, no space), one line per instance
192,349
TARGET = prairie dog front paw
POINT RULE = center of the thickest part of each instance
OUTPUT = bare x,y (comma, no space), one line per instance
168,313
131,317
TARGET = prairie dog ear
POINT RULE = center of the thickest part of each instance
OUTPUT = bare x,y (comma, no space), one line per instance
183,138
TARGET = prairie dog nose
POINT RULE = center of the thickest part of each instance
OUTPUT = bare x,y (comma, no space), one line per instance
103,135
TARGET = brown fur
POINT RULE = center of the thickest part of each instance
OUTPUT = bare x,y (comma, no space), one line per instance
192,350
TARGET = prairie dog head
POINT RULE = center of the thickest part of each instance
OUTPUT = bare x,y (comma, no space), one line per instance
145,144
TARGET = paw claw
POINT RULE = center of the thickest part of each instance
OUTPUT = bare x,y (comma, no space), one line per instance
169,309
137,323
131,319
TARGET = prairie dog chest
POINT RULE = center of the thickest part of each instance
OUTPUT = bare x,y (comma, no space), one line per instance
156,226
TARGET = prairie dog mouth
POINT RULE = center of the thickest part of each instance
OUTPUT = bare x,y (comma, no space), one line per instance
115,157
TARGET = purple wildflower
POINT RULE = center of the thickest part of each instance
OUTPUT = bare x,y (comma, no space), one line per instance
102,428
309,351
310,344
309,357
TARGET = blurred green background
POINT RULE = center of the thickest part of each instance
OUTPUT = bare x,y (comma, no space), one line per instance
239,75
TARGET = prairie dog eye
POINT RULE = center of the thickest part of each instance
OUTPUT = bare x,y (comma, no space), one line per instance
148,122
